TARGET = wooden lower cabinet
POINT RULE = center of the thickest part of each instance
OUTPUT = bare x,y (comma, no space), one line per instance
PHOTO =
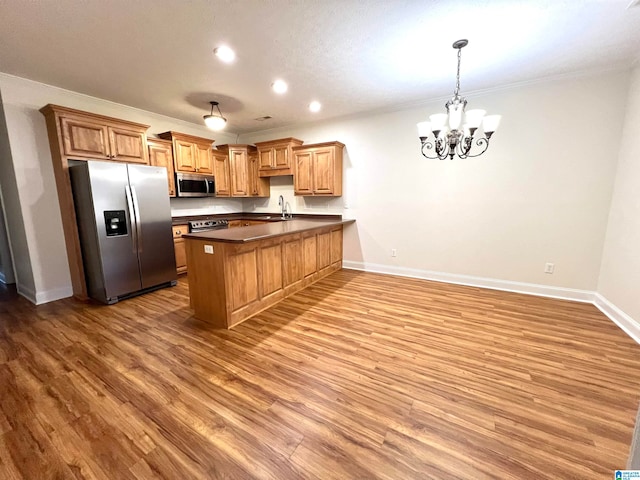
238,280
179,247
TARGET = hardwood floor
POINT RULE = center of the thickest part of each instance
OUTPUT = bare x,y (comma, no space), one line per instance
359,376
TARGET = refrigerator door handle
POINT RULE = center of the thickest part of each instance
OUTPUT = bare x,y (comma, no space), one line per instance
136,211
132,218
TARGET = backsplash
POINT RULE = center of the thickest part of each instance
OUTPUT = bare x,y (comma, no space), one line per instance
182,207
284,186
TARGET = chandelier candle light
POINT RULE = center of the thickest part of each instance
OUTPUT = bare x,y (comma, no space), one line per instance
450,136
213,121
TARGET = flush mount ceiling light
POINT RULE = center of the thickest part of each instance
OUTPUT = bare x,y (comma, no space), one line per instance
225,54
280,86
213,121
450,136
315,106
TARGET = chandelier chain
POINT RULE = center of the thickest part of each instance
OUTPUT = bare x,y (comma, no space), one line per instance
457,91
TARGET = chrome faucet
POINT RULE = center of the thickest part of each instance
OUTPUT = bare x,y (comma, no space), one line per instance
283,207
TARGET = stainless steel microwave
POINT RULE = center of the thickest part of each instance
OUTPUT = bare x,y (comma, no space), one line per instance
188,185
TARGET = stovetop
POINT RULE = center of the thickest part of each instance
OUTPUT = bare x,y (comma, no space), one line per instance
204,225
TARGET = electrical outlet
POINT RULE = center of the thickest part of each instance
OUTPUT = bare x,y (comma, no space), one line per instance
549,267
394,252
208,249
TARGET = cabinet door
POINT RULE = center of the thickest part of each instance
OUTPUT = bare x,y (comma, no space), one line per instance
258,186
181,255
127,145
281,157
179,247
302,179
204,160
160,155
84,139
239,173
323,171
221,172
185,156
265,157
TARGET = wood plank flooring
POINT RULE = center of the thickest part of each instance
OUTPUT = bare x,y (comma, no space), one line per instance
360,376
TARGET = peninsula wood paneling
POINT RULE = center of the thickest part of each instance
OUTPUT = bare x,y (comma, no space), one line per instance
257,273
292,260
310,254
336,246
270,269
359,376
324,250
243,278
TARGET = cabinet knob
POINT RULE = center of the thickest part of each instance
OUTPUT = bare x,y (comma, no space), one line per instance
178,232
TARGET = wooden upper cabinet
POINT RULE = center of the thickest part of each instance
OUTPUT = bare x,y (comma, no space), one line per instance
318,169
258,187
127,145
84,135
84,139
243,169
303,179
185,159
191,154
161,155
275,157
204,158
222,173
239,173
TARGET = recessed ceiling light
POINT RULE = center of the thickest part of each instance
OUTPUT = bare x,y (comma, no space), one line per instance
280,86
225,54
315,106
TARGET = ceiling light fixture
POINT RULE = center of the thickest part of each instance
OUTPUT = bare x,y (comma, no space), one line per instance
451,136
315,106
280,86
213,121
225,54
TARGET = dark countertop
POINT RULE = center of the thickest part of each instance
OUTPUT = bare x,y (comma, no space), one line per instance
266,230
270,217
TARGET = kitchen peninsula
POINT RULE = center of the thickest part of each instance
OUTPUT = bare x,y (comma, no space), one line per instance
236,273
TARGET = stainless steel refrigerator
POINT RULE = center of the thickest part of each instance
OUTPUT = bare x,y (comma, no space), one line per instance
124,221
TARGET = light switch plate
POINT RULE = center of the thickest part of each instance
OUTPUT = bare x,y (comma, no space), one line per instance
208,249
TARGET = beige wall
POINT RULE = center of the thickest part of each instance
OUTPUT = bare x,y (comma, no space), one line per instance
16,233
620,277
540,194
31,199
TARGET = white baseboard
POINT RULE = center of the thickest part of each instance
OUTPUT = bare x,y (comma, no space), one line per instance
26,293
492,283
617,316
39,298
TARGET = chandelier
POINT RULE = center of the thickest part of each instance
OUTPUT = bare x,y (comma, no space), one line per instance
215,121
450,136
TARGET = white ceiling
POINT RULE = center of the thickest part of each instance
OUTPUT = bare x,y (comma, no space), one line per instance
354,56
